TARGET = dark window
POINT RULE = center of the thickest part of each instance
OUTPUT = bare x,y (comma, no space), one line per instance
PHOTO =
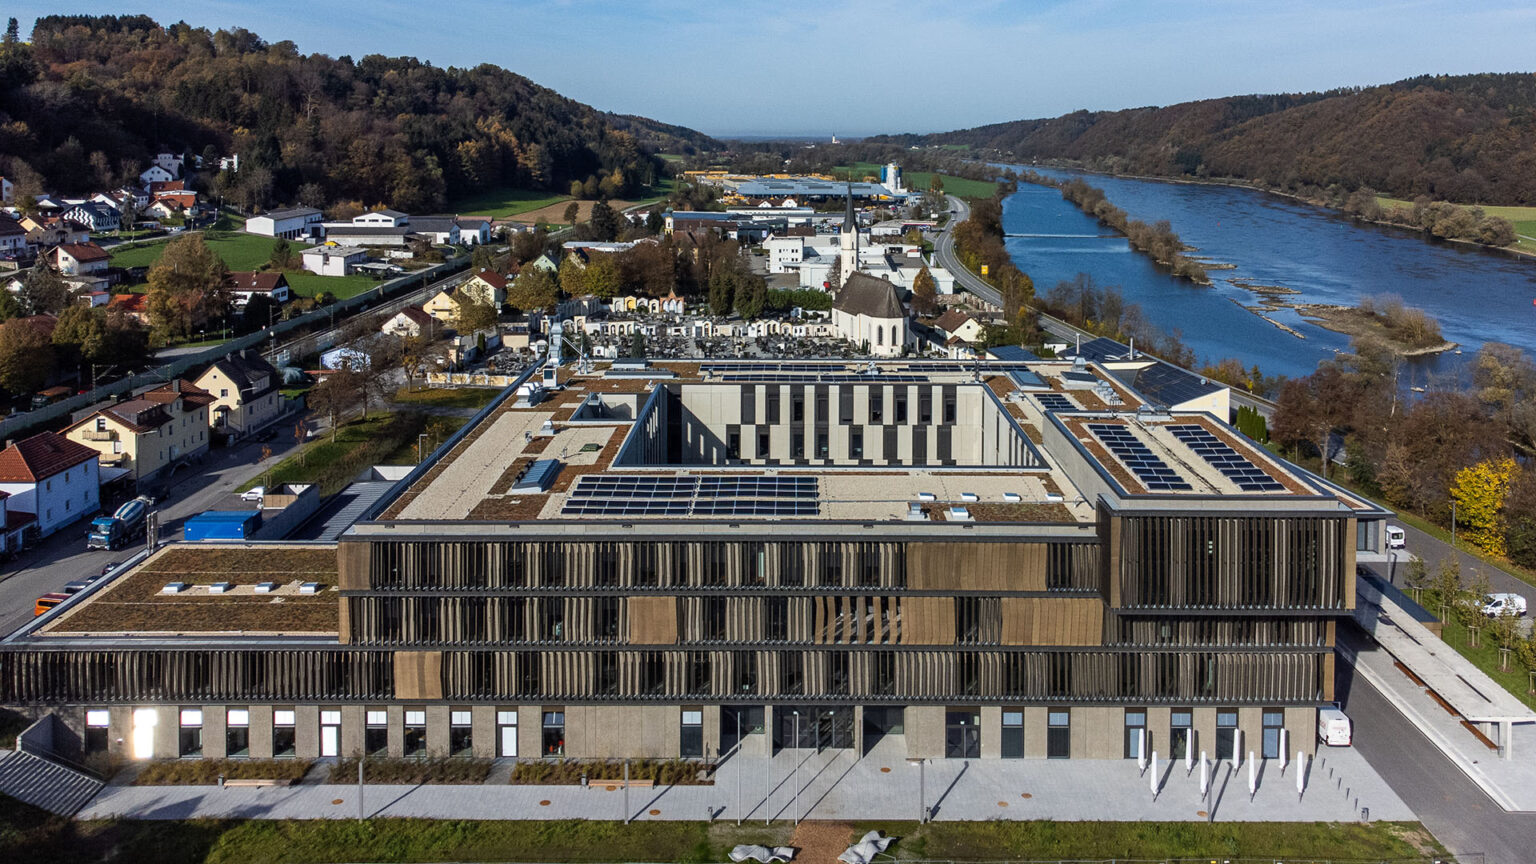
647,570
845,405
925,407
284,739
554,733
607,565
962,734
461,739
743,672
714,619
821,445
733,445
1135,731
822,414
949,408
607,618
554,618
791,564
797,442
885,673
837,673
856,442
762,445
791,673
1274,721
773,406
653,673
1058,733
1180,733
1226,737
876,405
776,619
607,673
190,740
692,743
831,564
415,732
901,407
97,722
797,408
376,732
1013,734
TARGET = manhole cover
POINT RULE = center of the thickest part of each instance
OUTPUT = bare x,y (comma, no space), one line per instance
543,803
1026,795
885,770
1002,803
1201,813
655,812
335,800
610,788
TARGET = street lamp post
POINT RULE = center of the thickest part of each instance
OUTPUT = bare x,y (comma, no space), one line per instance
1453,523
418,447
738,767
797,767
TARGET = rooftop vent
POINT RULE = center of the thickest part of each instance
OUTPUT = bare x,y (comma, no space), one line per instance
310,588
220,587
266,587
1054,497
926,496
538,477
960,514
969,496
915,512
173,588
1012,497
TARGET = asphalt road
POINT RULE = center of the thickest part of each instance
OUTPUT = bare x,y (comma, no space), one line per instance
1434,551
63,557
1450,805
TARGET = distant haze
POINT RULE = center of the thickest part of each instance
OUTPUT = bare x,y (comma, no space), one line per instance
857,67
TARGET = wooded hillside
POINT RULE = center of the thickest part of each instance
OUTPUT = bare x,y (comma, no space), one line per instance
92,98
1467,138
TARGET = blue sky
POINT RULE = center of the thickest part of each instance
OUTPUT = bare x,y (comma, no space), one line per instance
857,67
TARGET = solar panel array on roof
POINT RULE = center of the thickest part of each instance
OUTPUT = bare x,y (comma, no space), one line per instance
728,495
1054,402
719,368
1137,457
1232,464
845,378
1167,384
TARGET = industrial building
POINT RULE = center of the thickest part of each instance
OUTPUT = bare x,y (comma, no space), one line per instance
990,559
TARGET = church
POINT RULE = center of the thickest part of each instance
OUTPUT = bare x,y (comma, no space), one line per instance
866,309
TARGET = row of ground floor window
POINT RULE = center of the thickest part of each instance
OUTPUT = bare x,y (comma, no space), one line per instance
672,731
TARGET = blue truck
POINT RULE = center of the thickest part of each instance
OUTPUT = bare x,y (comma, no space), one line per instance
121,528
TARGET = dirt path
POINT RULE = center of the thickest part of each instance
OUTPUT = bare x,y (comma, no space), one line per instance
555,213
821,842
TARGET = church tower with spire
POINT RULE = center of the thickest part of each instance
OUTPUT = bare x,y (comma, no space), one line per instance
848,258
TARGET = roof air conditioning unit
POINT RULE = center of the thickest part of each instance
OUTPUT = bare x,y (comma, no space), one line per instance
1054,497
220,587
266,587
960,514
1012,497
915,512
173,588
310,588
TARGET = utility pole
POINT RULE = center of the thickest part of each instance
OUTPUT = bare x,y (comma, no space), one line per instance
738,767
797,768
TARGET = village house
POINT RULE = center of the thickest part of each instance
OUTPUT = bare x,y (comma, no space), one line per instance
13,238
245,285
959,325
474,230
55,479
135,306
443,306
409,323
96,216
154,174
7,189
437,230
78,259
244,387
291,224
487,286
150,434
45,231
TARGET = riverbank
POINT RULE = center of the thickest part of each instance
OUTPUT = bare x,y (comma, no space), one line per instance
1360,323
1522,249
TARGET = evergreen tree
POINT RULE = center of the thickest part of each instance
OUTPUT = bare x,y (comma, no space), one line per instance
604,222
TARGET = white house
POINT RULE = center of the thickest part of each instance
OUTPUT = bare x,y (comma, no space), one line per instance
408,323
78,259
171,162
13,237
474,230
6,189
288,224
333,260
245,285
55,479
155,174
868,312
437,230
382,219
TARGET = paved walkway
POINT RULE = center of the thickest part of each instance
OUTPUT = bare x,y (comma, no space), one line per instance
832,785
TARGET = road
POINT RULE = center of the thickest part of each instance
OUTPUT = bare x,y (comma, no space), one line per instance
62,557
1433,551
944,256
1450,805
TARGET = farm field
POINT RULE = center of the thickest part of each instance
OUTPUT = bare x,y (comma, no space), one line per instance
1524,219
242,252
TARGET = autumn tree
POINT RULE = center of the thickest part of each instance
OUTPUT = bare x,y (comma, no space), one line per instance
534,288
1479,492
188,287
338,394
573,277
26,356
472,314
602,276
572,211
925,300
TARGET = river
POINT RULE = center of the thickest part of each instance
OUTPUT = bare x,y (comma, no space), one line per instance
1477,296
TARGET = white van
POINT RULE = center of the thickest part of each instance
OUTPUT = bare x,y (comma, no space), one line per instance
1495,605
1333,728
1396,538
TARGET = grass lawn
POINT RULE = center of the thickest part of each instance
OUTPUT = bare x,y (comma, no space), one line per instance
243,252
503,202
358,445
446,397
996,840
1524,219
958,186
28,834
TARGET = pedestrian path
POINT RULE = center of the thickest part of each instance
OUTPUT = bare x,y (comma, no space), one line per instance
836,785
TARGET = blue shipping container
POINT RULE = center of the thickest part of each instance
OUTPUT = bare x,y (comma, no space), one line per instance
222,525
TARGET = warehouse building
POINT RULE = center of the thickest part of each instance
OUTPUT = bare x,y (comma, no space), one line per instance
956,560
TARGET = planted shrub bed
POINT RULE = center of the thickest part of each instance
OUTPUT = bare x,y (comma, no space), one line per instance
410,772
568,772
206,772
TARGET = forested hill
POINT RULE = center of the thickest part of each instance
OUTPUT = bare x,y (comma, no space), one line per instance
1468,138
92,98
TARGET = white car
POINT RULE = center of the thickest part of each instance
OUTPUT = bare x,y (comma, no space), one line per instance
255,494
1495,605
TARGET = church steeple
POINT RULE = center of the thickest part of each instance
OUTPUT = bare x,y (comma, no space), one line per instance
850,221
848,259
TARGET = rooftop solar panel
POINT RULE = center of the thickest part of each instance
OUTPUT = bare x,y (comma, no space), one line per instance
1137,457
1055,402
713,495
1221,456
